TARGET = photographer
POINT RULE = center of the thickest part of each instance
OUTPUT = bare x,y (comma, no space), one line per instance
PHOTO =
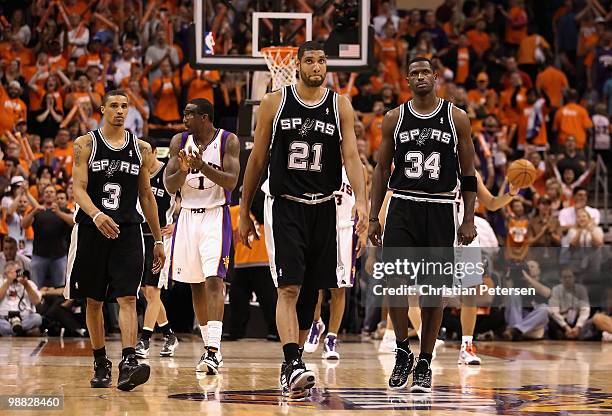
18,296
569,308
526,322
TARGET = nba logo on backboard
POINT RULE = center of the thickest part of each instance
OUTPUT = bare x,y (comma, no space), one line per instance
209,43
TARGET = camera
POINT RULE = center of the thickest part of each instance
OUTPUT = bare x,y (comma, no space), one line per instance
14,318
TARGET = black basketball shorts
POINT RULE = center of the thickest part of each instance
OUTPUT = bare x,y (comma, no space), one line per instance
101,268
301,240
421,232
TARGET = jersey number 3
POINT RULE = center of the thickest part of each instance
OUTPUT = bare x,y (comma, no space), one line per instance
114,193
431,164
299,156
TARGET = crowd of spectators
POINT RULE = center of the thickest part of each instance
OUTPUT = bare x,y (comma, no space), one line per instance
534,77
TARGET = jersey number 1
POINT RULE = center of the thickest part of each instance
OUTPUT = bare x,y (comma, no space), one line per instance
299,156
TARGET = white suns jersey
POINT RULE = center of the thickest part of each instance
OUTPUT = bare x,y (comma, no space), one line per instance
345,200
198,191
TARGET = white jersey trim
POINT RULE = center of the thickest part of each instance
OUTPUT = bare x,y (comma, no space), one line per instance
279,110
337,115
302,103
398,125
115,149
94,147
136,146
426,116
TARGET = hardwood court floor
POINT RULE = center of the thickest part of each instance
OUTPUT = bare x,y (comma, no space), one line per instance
527,378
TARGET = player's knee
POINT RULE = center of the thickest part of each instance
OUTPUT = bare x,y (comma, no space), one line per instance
288,293
94,305
337,293
214,284
151,293
127,301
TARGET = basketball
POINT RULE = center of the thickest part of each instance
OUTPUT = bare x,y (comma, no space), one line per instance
521,173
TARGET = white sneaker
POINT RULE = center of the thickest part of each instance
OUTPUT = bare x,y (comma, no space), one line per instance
312,342
467,355
606,336
388,344
437,345
330,348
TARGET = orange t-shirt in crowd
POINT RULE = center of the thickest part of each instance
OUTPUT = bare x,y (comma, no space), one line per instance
509,114
587,40
166,107
58,62
257,255
489,98
36,100
25,56
480,42
572,120
541,139
66,157
11,111
518,19
84,97
89,59
463,65
200,88
79,7
374,132
526,52
389,55
552,82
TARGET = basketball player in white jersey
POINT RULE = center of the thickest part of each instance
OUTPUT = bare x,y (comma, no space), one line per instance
204,167
345,273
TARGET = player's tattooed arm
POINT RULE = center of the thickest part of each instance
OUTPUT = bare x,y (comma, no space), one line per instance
228,177
382,172
176,170
145,194
82,151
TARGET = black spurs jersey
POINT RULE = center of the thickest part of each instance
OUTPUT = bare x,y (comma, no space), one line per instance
165,200
113,179
426,159
305,156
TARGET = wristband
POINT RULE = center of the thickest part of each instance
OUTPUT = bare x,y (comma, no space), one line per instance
97,215
158,242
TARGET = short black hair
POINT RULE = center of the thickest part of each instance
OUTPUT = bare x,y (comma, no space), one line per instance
311,45
114,93
9,240
152,141
578,189
204,107
421,59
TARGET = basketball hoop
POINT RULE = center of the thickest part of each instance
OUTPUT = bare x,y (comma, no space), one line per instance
281,63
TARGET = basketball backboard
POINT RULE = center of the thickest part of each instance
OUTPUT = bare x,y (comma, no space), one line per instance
341,25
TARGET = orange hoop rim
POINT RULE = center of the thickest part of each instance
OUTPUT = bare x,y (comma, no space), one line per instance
281,51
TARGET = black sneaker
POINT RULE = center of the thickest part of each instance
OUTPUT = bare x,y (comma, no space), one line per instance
282,382
132,374
421,379
299,379
211,363
404,361
170,344
102,374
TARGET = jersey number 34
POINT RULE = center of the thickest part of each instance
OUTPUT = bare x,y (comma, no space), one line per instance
416,165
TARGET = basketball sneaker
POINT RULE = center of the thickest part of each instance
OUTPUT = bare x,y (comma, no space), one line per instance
330,347
467,355
142,348
438,344
388,343
170,344
132,374
299,379
606,336
102,374
209,363
404,360
421,379
312,341
282,381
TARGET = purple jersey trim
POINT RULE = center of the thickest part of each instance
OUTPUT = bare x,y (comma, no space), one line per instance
184,137
172,248
224,135
226,231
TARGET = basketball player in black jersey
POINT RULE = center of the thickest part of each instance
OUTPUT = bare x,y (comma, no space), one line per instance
106,257
153,282
429,141
303,132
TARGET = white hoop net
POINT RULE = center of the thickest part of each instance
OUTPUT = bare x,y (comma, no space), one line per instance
281,63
